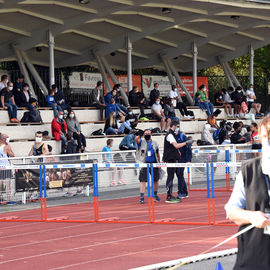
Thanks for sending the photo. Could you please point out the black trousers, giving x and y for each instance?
(101, 108)
(80, 139)
(170, 176)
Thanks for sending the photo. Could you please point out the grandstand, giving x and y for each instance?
(22, 135)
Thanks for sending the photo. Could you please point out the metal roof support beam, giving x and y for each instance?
(251, 65)
(113, 78)
(51, 55)
(103, 73)
(180, 82)
(35, 74)
(236, 82)
(129, 64)
(24, 71)
(195, 55)
(226, 72)
(169, 73)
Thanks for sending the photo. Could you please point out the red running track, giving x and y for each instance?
(114, 246)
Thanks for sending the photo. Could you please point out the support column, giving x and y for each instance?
(178, 79)
(251, 65)
(236, 82)
(103, 72)
(169, 73)
(195, 55)
(42, 86)
(24, 71)
(226, 72)
(51, 54)
(114, 79)
(129, 64)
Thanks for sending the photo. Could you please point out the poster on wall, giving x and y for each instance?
(83, 81)
(165, 85)
(28, 179)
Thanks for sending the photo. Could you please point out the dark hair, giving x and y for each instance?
(39, 132)
(238, 88)
(3, 77)
(68, 115)
(109, 141)
(139, 133)
(254, 124)
(116, 86)
(201, 86)
(230, 88)
(69, 137)
(25, 84)
(20, 76)
(174, 123)
(51, 91)
(134, 87)
(99, 83)
(236, 125)
(54, 86)
(50, 148)
(155, 84)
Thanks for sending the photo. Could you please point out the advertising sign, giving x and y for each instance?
(165, 85)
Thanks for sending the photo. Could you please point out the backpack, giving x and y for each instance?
(216, 134)
(25, 117)
(35, 117)
(97, 132)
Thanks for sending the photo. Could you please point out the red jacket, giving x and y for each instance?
(56, 128)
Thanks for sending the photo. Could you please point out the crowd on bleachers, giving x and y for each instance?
(120, 119)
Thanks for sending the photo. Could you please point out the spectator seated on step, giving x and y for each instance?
(97, 99)
(137, 99)
(204, 99)
(8, 102)
(52, 103)
(59, 97)
(159, 115)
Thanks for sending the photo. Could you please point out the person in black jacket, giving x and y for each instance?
(172, 155)
(59, 97)
(154, 94)
(137, 99)
(17, 88)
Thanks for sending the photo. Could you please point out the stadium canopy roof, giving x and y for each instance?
(156, 27)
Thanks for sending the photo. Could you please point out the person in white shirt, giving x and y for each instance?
(159, 115)
(251, 97)
(173, 94)
(4, 81)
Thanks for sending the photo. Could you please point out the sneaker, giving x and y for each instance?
(157, 199)
(182, 196)
(122, 182)
(13, 120)
(172, 199)
(114, 183)
(142, 200)
(186, 116)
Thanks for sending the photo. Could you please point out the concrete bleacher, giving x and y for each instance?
(22, 135)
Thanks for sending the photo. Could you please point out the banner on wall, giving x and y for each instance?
(165, 85)
(28, 180)
(84, 81)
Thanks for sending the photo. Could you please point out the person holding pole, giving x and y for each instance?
(249, 207)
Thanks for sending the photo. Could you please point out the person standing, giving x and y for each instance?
(186, 156)
(107, 158)
(172, 155)
(148, 152)
(8, 102)
(17, 88)
(249, 203)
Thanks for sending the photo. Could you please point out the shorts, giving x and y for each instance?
(156, 117)
(249, 105)
(256, 146)
(143, 175)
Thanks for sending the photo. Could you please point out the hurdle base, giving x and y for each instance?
(110, 219)
(9, 218)
(59, 218)
(166, 220)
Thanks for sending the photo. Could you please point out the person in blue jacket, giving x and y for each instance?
(186, 157)
(129, 142)
(52, 103)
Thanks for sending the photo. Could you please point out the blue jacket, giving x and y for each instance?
(186, 152)
(108, 97)
(50, 100)
(109, 109)
(129, 141)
